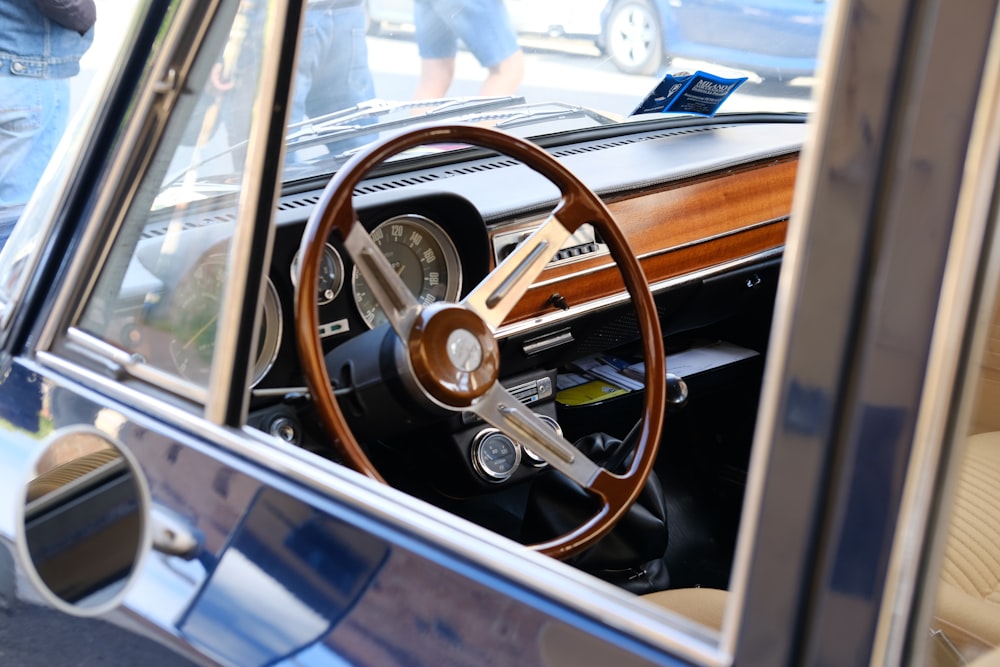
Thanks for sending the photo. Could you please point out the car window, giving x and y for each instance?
(160, 295)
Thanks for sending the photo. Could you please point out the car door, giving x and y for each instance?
(249, 550)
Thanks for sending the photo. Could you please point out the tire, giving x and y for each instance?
(633, 37)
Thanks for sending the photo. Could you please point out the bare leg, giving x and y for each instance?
(505, 78)
(435, 77)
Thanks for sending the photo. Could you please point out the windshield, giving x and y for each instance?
(368, 67)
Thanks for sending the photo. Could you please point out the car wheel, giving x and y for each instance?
(633, 37)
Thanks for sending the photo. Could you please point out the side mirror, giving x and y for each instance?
(83, 521)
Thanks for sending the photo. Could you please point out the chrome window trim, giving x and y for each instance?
(118, 361)
(221, 389)
(942, 425)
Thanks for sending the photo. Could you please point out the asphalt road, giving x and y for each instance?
(35, 636)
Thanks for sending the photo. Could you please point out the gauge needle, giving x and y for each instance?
(199, 332)
(399, 269)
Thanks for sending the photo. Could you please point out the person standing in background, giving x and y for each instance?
(41, 43)
(332, 71)
(486, 29)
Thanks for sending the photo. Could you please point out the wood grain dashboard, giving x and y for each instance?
(683, 227)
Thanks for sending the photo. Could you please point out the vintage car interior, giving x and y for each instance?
(560, 340)
(704, 208)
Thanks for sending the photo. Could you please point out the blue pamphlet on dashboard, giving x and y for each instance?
(700, 93)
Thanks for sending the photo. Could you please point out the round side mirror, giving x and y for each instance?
(83, 522)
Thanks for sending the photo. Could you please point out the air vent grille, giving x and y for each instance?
(626, 141)
(292, 204)
(488, 166)
(504, 162)
(394, 184)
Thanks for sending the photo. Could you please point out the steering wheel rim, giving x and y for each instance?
(481, 312)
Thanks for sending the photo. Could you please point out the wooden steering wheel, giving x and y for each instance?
(451, 348)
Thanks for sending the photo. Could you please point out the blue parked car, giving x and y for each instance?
(776, 39)
(490, 380)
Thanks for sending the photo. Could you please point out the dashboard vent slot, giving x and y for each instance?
(383, 186)
(291, 204)
(503, 162)
(615, 143)
(488, 166)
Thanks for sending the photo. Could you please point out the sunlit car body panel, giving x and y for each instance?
(786, 34)
(773, 39)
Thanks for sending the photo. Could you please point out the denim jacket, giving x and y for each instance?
(33, 45)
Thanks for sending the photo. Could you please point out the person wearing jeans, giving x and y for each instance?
(41, 43)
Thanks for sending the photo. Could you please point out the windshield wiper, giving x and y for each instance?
(520, 115)
(366, 118)
(544, 112)
(349, 123)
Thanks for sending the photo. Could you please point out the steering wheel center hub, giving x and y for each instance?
(464, 350)
(454, 355)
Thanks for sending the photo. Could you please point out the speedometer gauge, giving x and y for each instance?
(421, 253)
(192, 345)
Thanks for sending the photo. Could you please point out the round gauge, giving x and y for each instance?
(269, 336)
(494, 455)
(192, 346)
(533, 458)
(331, 275)
(421, 253)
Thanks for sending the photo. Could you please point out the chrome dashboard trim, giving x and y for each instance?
(133, 365)
(557, 316)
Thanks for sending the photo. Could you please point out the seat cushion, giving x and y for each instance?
(968, 606)
(702, 605)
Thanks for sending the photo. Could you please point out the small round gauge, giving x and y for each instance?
(269, 336)
(192, 347)
(533, 458)
(421, 254)
(494, 455)
(331, 275)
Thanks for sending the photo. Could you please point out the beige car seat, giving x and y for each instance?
(968, 605)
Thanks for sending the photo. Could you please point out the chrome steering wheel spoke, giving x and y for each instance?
(502, 410)
(401, 307)
(499, 292)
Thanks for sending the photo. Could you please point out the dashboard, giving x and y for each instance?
(705, 208)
